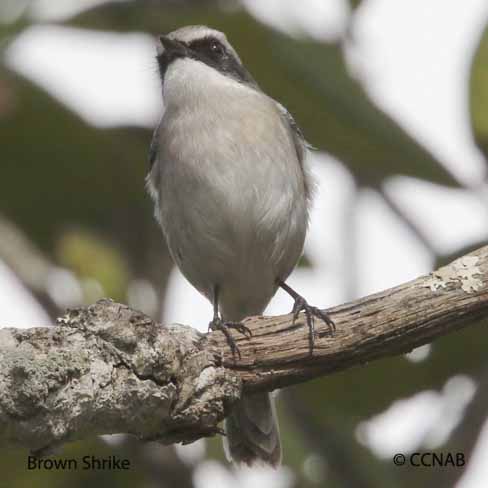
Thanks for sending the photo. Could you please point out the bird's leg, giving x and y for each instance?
(218, 324)
(301, 305)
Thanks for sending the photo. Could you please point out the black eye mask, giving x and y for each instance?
(208, 50)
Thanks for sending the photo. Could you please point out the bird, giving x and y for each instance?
(232, 192)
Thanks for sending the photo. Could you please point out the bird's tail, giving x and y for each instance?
(252, 434)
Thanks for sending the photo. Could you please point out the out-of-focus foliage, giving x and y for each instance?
(58, 172)
(90, 256)
(12, 19)
(478, 99)
(355, 3)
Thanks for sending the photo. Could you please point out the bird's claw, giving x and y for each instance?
(240, 327)
(218, 324)
(301, 305)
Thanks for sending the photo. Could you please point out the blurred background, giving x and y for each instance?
(394, 95)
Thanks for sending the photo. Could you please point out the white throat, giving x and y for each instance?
(189, 81)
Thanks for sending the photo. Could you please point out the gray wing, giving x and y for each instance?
(152, 178)
(154, 147)
(301, 146)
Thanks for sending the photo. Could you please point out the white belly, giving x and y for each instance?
(240, 238)
(232, 203)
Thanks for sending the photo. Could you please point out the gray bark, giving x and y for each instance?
(106, 369)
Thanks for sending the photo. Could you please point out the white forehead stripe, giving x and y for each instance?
(192, 32)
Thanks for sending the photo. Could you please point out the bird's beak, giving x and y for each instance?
(170, 48)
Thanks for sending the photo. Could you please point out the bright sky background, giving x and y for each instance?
(413, 56)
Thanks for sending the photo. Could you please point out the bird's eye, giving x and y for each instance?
(216, 48)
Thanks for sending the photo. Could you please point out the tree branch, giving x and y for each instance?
(107, 368)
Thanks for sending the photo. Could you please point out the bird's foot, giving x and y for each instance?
(311, 312)
(218, 324)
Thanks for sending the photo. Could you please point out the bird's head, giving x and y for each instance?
(195, 45)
